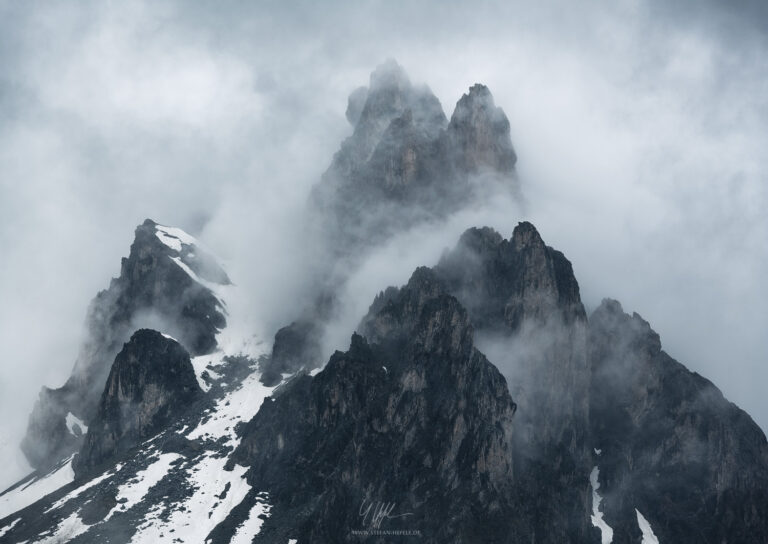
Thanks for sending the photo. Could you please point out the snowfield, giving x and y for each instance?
(34, 490)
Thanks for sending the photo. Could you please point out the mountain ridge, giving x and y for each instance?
(477, 402)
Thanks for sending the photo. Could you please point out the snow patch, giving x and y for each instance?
(9, 527)
(200, 365)
(73, 420)
(252, 526)
(24, 495)
(77, 492)
(217, 491)
(66, 531)
(178, 234)
(173, 237)
(238, 405)
(648, 536)
(130, 494)
(598, 451)
(173, 243)
(597, 515)
(209, 504)
(214, 287)
(169, 337)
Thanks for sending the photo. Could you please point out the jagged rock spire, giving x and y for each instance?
(411, 410)
(165, 282)
(150, 383)
(673, 447)
(404, 163)
(479, 133)
(511, 281)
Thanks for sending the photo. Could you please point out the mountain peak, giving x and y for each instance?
(510, 281)
(480, 239)
(389, 75)
(405, 413)
(479, 94)
(477, 101)
(151, 381)
(610, 318)
(666, 431)
(167, 282)
(525, 236)
(480, 131)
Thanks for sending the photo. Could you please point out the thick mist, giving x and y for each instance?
(640, 131)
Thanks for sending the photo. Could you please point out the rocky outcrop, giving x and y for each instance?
(523, 299)
(405, 163)
(694, 464)
(524, 302)
(296, 346)
(506, 283)
(413, 416)
(478, 135)
(150, 384)
(164, 283)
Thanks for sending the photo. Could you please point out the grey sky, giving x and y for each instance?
(640, 130)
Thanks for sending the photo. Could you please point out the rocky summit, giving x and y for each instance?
(434, 416)
(671, 446)
(404, 164)
(165, 282)
(151, 383)
(478, 402)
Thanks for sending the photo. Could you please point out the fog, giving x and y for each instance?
(640, 131)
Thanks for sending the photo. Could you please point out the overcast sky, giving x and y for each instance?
(640, 128)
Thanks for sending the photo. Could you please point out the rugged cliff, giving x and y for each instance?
(413, 415)
(523, 299)
(150, 384)
(404, 164)
(671, 447)
(165, 283)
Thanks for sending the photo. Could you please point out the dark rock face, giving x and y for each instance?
(523, 299)
(504, 283)
(524, 302)
(150, 384)
(479, 135)
(672, 447)
(415, 416)
(296, 346)
(160, 286)
(405, 163)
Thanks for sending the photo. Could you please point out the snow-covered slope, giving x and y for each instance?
(173, 487)
(35, 487)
